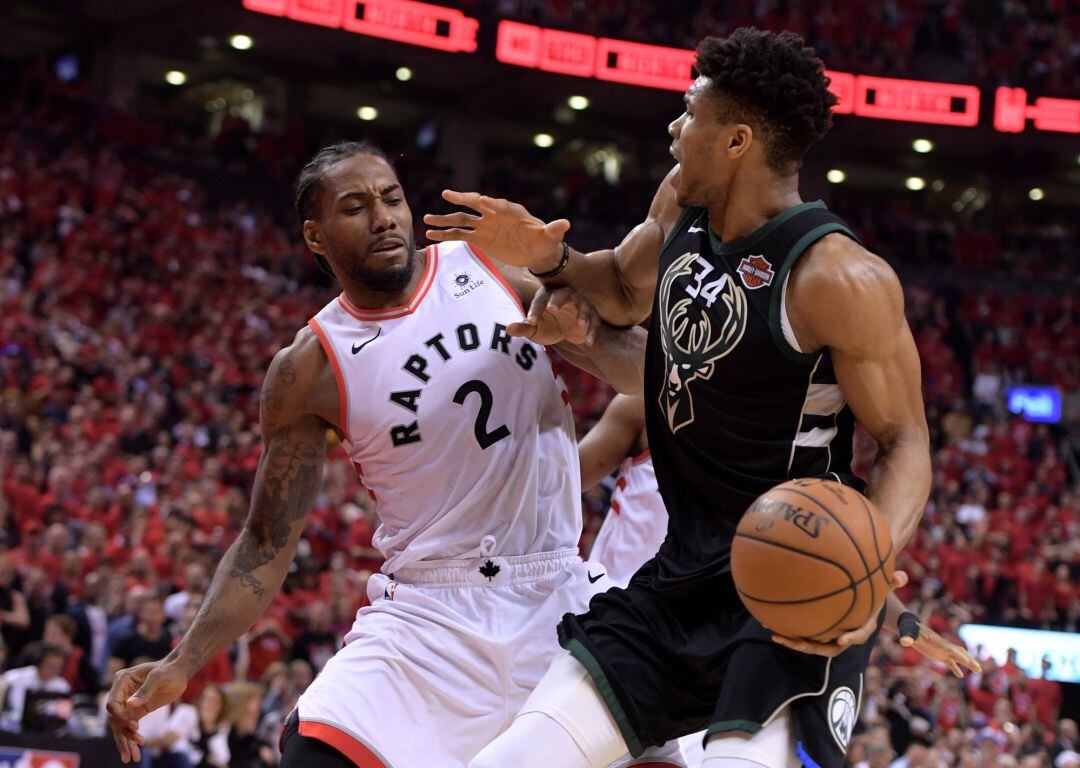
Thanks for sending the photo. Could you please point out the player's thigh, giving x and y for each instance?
(564, 722)
(773, 746)
(410, 667)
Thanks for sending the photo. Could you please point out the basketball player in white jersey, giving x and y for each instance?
(464, 437)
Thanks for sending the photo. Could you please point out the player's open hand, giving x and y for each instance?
(135, 693)
(504, 229)
(558, 315)
(936, 648)
(844, 641)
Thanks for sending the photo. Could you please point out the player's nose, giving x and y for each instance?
(381, 218)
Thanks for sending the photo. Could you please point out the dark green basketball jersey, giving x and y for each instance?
(732, 407)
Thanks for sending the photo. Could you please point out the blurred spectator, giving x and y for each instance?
(316, 644)
(149, 638)
(44, 674)
(246, 748)
(210, 745)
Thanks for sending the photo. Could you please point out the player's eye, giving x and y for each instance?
(393, 201)
(354, 210)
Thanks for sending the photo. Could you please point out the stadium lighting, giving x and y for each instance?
(241, 42)
(578, 102)
(544, 140)
(915, 183)
(175, 77)
(366, 113)
(1036, 194)
(922, 146)
(403, 74)
(836, 176)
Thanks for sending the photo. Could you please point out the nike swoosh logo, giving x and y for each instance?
(596, 578)
(357, 347)
(695, 229)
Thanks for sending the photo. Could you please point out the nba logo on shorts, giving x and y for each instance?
(842, 712)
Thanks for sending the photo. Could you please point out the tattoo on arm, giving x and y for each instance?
(284, 491)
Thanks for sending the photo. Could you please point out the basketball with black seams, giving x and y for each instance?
(812, 559)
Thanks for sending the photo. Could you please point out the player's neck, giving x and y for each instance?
(752, 199)
(363, 297)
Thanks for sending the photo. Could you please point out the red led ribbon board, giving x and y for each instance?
(406, 21)
(1011, 112)
(638, 64)
(916, 101)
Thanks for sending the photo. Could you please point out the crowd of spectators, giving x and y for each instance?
(988, 42)
(139, 309)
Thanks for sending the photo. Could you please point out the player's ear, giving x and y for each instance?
(313, 236)
(740, 140)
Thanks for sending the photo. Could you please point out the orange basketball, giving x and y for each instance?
(812, 559)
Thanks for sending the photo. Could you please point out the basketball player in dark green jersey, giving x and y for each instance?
(773, 331)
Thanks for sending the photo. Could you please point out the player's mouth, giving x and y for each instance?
(388, 247)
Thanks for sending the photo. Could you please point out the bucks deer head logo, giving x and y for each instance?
(690, 342)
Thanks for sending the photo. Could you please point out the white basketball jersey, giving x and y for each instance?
(636, 523)
(458, 430)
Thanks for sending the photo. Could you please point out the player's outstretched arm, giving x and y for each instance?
(254, 567)
(611, 440)
(619, 282)
(564, 318)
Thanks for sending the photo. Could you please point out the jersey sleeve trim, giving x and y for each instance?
(390, 313)
(487, 264)
(343, 391)
(776, 326)
(688, 215)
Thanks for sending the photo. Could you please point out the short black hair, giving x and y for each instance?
(775, 80)
(309, 181)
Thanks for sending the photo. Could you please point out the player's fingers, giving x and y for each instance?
(557, 229)
(957, 672)
(807, 646)
(967, 660)
(469, 199)
(122, 747)
(907, 641)
(525, 329)
(899, 579)
(456, 233)
(858, 636)
(456, 219)
(473, 200)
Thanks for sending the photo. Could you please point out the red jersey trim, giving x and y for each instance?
(343, 742)
(490, 267)
(407, 308)
(642, 456)
(343, 392)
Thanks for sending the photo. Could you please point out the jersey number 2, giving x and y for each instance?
(483, 436)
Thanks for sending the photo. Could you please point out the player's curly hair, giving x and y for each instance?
(776, 83)
(309, 181)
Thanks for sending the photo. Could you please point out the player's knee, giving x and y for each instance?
(533, 740)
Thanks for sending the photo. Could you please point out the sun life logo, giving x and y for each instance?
(842, 712)
(463, 284)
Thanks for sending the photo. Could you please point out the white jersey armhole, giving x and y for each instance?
(785, 323)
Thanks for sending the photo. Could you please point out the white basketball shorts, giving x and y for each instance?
(444, 657)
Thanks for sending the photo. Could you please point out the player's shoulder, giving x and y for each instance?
(839, 268)
(299, 381)
(839, 289)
